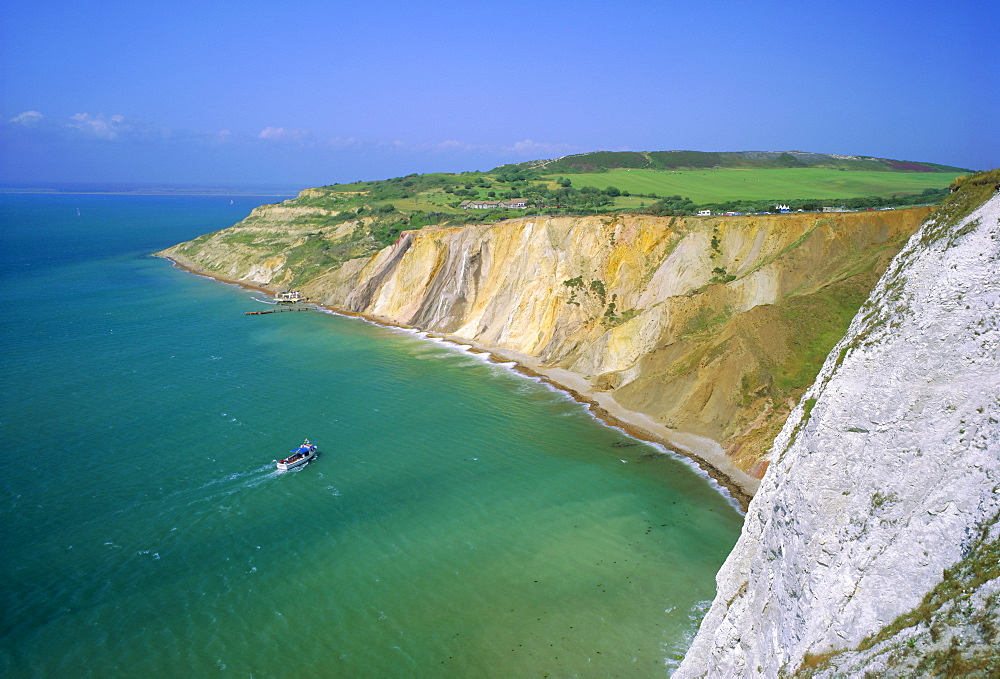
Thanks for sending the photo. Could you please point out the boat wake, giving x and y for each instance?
(231, 483)
(205, 498)
(293, 470)
(257, 480)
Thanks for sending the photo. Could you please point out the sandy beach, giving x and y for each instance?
(708, 454)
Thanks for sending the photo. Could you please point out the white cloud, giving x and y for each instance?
(125, 130)
(343, 142)
(525, 148)
(449, 145)
(96, 126)
(116, 127)
(529, 147)
(283, 134)
(216, 137)
(27, 118)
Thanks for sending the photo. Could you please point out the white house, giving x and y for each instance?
(514, 203)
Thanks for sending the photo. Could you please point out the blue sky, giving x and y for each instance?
(304, 93)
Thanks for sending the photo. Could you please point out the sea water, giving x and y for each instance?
(461, 520)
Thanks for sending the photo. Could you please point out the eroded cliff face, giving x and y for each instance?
(873, 544)
(710, 326)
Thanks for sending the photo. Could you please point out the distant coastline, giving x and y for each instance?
(706, 453)
(99, 189)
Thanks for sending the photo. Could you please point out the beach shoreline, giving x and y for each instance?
(706, 453)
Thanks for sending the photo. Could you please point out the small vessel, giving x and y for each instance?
(299, 456)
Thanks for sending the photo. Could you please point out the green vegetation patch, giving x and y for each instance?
(817, 322)
(945, 607)
(578, 286)
(754, 182)
(310, 258)
(705, 323)
(807, 408)
(768, 184)
(980, 566)
(968, 194)
(241, 237)
(613, 318)
(600, 160)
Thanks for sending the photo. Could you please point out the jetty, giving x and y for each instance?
(287, 297)
(278, 311)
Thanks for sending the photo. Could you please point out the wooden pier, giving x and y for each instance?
(277, 311)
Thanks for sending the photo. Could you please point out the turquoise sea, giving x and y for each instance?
(461, 521)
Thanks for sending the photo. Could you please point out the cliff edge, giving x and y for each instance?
(873, 543)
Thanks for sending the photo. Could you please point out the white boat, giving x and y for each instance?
(299, 456)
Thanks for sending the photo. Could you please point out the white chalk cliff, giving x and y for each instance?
(873, 543)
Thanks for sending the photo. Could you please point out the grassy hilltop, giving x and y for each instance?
(764, 184)
(745, 180)
(601, 161)
(661, 182)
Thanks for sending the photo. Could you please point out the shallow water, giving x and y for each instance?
(462, 520)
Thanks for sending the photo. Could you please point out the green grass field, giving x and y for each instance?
(709, 186)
